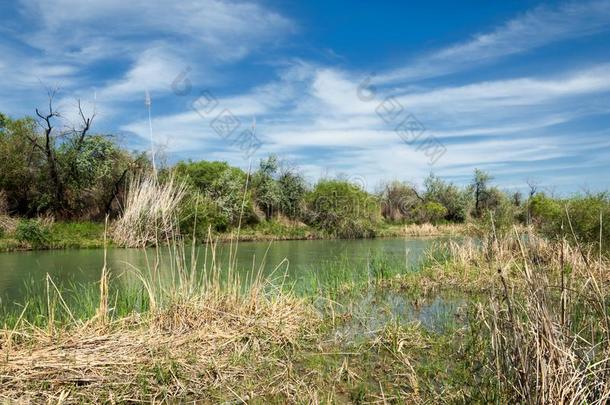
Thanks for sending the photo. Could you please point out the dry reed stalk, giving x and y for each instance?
(149, 212)
(8, 224)
(550, 330)
(433, 230)
(202, 346)
(197, 342)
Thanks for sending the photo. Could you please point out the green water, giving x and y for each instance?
(296, 259)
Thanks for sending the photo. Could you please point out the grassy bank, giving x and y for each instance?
(55, 235)
(506, 319)
(86, 235)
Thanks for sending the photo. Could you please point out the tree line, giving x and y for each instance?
(71, 173)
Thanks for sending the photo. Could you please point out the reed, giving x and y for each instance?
(550, 337)
(202, 331)
(149, 212)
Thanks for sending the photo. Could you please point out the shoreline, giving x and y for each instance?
(78, 240)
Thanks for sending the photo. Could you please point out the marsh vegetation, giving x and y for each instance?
(508, 317)
(510, 306)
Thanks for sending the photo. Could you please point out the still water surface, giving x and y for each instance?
(84, 266)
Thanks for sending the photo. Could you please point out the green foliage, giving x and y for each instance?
(203, 174)
(85, 177)
(482, 194)
(21, 168)
(33, 232)
(90, 170)
(292, 193)
(267, 192)
(398, 200)
(431, 212)
(198, 213)
(81, 234)
(558, 217)
(458, 202)
(503, 213)
(343, 210)
(217, 197)
(545, 210)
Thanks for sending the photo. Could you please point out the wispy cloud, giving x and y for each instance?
(536, 28)
(85, 31)
(308, 109)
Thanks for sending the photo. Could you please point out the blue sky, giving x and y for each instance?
(520, 89)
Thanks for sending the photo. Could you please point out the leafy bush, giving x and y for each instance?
(398, 200)
(203, 174)
(267, 192)
(504, 214)
(217, 194)
(292, 191)
(431, 212)
(458, 202)
(554, 217)
(33, 232)
(198, 213)
(342, 209)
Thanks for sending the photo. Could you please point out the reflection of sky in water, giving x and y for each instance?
(84, 266)
(369, 315)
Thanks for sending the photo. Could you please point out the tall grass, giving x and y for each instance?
(189, 327)
(547, 320)
(149, 212)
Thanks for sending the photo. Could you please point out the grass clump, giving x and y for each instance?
(195, 332)
(149, 213)
(33, 232)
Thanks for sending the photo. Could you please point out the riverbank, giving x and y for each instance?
(89, 235)
(461, 326)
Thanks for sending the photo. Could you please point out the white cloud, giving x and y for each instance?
(89, 30)
(154, 70)
(533, 29)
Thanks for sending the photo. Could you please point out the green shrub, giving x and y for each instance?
(398, 201)
(342, 210)
(33, 232)
(458, 202)
(433, 212)
(293, 188)
(551, 217)
(198, 213)
(217, 194)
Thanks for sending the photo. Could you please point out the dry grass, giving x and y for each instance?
(8, 225)
(433, 230)
(201, 339)
(149, 212)
(187, 351)
(547, 320)
(550, 329)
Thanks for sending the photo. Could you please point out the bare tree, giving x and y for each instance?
(533, 189)
(533, 186)
(47, 145)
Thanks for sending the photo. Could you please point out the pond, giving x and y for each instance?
(294, 257)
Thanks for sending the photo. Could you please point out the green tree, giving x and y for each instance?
(21, 168)
(458, 202)
(218, 195)
(267, 192)
(292, 193)
(342, 209)
(398, 200)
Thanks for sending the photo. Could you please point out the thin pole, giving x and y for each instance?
(148, 102)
